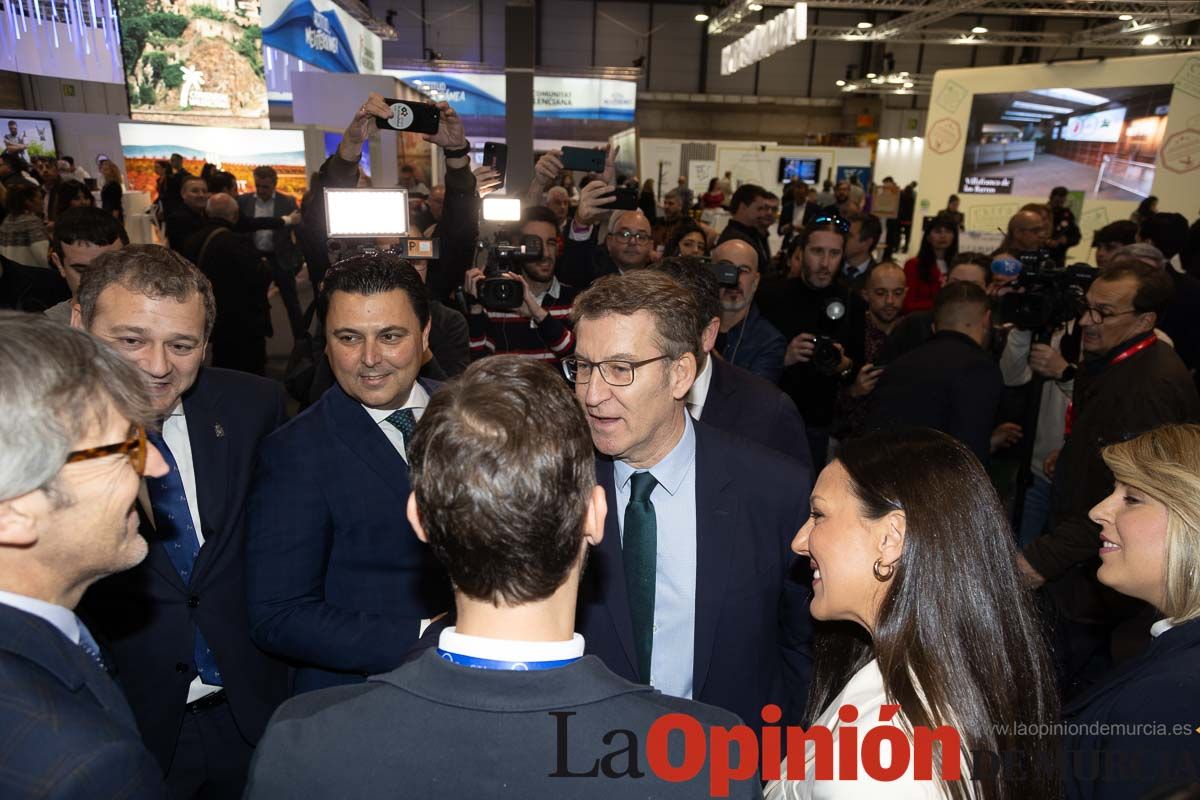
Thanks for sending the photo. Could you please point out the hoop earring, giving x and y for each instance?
(883, 573)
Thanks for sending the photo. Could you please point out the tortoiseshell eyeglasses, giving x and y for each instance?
(135, 447)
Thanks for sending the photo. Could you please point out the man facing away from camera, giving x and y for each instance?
(505, 494)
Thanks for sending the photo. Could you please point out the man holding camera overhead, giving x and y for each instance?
(532, 317)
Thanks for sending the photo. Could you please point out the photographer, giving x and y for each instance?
(539, 327)
(810, 312)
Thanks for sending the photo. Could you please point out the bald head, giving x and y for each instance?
(738, 252)
(887, 272)
(558, 201)
(1027, 230)
(884, 292)
(222, 206)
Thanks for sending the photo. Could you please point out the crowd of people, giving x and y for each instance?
(605, 540)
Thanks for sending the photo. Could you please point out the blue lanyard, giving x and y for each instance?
(488, 663)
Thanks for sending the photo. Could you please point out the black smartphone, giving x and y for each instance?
(411, 117)
(583, 159)
(495, 155)
(624, 199)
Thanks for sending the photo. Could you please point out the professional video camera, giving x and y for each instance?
(496, 292)
(1045, 295)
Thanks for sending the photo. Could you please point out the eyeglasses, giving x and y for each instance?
(835, 221)
(614, 373)
(134, 447)
(1100, 315)
(625, 236)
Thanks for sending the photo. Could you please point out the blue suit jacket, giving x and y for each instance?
(65, 729)
(753, 630)
(147, 617)
(1162, 685)
(336, 580)
(754, 408)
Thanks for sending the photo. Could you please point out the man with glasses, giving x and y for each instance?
(1128, 383)
(746, 339)
(72, 430)
(201, 691)
(696, 543)
(540, 327)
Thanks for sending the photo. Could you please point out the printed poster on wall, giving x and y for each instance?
(483, 94)
(196, 63)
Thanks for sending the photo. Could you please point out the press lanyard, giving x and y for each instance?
(1117, 359)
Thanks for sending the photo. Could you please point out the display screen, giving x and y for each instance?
(29, 137)
(805, 169)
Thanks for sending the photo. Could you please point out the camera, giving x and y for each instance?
(497, 293)
(1045, 295)
(726, 272)
(826, 357)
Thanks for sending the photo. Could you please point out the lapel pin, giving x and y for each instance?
(218, 430)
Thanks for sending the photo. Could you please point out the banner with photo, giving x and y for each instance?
(483, 94)
(234, 150)
(196, 63)
(320, 33)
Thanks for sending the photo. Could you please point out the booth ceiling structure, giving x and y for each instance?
(917, 22)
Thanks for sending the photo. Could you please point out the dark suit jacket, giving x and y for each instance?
(67, 732)
(753, 629)
(1162, 686)
(581, 263)
(751, 236)
(435, 729)
(285, 247)
(950, 384)
(148, 618)
(239, 280)
(182, 224)
(740, 402)
(336, 580)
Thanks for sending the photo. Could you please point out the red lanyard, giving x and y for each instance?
(1117, 359)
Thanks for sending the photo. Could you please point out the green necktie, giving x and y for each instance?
(640, 550)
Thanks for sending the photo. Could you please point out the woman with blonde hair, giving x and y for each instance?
(111, 192)
(1136, 732)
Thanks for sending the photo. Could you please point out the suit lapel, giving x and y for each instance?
(716, 530)
(612, 569)
(721, 392)
(210, 465)
(354, 426)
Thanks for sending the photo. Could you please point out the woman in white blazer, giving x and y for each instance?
(914, 566)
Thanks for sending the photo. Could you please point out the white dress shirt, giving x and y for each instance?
(513, 650)
(175, 434)
(63, 619)
(866, 693)
(418, 399)
(264, 240)
(699, 391)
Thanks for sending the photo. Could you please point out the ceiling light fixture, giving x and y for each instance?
(701, 18)
(979, 29)
(870, 74)
(839, 82)
(862, 26)
(1151, 39)
(1040, 107)
(755, 6)
(1125, 17)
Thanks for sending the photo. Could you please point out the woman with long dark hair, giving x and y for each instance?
(689, 239)
(926, 273)
(1149, 549)
(909, 544)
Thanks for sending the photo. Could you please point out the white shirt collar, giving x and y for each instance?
(1161, 627)
(462, 644)
(862, 266)
(62, 618)
(699, 391)
(553, 289)
(417, 398)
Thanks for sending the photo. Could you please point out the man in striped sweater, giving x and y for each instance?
(540, 328)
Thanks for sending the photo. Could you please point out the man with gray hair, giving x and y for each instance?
(201, 691)
(73, 420)
(240, 279)
(559, 201)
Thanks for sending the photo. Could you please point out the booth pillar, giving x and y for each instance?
(518, 81)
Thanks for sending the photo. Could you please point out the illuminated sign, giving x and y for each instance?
(781, 32)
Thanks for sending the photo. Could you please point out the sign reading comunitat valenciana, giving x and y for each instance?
(782, 31)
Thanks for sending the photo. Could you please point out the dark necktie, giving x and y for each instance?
(404, 421)
(173, 521)
(639, 548)
(88, 643)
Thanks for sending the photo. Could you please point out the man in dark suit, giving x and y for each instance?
(337, 583)
(72, 420)
(726, 396)
(201, 691)
(277, 245)
(188, 216)
(171, 199)
(514, 547)
(752, 212)
(690, 589)
(950, 383)
(240, 280)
